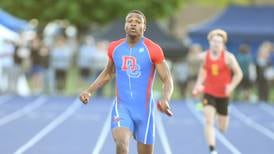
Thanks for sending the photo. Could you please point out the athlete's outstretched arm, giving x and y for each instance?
(106, 75)
(165, 76)
(237, 74)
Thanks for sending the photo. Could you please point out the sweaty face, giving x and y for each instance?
(134, 25)
(216, 43)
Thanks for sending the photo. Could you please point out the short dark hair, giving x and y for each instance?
(140, 13)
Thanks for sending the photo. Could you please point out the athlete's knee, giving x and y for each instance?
(223, 123)
(222, 129)
(122, 146)
(209, 121)
(121, 137)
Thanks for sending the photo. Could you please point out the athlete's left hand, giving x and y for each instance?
(164, 107)
(228, 90)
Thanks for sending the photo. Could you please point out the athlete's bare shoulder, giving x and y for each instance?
(229, 58)
(202, 56)
(228, 53)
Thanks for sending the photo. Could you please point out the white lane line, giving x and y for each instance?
(251, 123)
(267, 109)
(21, 112)
(51, 126)
(162, 134)
(5, 99)
(219, 135)
(103, 135)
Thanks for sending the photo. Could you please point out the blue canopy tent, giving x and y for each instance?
(251, 25)
(11, 22)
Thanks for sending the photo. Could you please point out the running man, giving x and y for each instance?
(219, 75)
(133, 60)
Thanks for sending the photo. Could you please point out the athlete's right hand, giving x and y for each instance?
(84, 97)
(197, 90)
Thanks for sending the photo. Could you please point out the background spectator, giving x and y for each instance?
(245, 60)
(263, 63)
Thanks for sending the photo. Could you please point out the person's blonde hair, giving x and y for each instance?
(218, 32)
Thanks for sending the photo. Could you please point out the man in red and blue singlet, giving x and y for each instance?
(134, 61)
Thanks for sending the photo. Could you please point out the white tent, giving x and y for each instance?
(8, 34)
(22, 84)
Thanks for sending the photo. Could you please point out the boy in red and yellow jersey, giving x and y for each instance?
(218, 77)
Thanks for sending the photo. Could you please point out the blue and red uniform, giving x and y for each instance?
(134, 105)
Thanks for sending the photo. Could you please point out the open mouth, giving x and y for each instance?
(132, 30)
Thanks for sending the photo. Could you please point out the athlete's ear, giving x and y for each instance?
(145, 27)
(125, 27)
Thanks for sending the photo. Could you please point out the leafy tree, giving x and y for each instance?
(85, 12)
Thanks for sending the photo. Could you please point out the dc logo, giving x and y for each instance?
(131, 67)
(141, 50)
(116, 119)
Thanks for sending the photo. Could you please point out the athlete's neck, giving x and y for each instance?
(215, 54)
(132, 40)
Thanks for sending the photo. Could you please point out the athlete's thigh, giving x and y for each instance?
(222, 106)
(120, 118)
(144, 148)
(209, 113)
(145, 129)
(222, 111)
(209, 107)
(223, 120)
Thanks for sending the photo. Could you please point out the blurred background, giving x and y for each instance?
(59, 47)
(51, 50)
